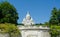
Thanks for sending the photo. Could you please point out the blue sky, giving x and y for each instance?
(40, 10)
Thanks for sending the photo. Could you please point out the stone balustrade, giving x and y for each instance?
(33, 27)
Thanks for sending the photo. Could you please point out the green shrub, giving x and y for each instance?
(9, 28)
(55, 30)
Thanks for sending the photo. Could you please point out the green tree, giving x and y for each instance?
(55, 23)
(53, 18)
(8, 13)
(58, 16)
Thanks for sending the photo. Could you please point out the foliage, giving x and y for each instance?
(58, 16)
(8, 13)
(46, 24)
(55, 30)
(9, 28)
(41, 25)
(20, 24)
(55, 17)
(54, 22)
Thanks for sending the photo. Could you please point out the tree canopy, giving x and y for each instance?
(8, 13)
(55, 17)
(55, 23)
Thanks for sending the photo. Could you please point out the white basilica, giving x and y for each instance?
(28, 20)
(30, 30)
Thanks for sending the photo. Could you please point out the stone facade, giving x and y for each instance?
(34, 31)
(4, 35)
(30, 30)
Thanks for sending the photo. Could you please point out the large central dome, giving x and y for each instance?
(28, 20)
(28, 17)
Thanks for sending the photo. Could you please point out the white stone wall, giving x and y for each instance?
(4, 35)
(34, 33)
